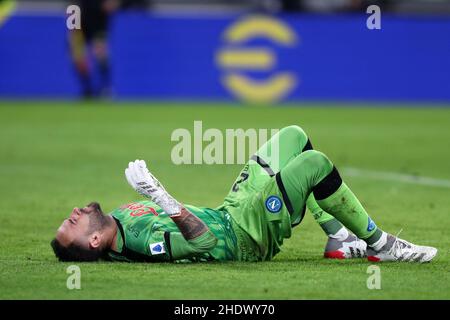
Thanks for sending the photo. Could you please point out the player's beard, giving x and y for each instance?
(97, 220)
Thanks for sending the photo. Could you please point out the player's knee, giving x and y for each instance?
(317, 159)
(297, 133)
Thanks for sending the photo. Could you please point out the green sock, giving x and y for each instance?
(329, 224)
(345, 207)
(312, 171)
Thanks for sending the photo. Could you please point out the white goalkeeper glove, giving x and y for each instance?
(141, 180)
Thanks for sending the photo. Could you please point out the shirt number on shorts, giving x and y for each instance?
(244, 176)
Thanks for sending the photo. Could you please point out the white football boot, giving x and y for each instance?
(351, 247)
(397, 249)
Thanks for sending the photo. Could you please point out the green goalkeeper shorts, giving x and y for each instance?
(258, 201)
(261, 219)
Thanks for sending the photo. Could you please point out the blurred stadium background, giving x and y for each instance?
(266, 51)
(76, 106)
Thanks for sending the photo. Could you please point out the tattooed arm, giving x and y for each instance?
(194, 237)
(190, 225)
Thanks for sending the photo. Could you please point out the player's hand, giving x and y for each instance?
(141, 180)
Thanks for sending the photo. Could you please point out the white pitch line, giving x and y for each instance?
(396, 177)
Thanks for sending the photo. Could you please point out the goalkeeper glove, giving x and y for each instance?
(141, 180)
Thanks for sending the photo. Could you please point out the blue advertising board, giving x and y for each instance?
(255, 58)
(35, 59)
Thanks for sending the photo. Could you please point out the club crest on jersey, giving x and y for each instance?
(371, 225)
(157, 248)
(274, 204)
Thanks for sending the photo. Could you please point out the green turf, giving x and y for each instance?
(55, 156)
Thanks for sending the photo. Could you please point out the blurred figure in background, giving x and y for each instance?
(93, 36)
(340, 5)
(6, 8)
(321, 6)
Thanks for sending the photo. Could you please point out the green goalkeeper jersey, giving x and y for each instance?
(144, 234)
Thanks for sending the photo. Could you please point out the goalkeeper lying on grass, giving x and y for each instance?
(267, 200)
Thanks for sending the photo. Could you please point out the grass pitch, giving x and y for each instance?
(55, 156)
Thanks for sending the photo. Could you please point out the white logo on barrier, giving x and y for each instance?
(374, 20)
(237, 56)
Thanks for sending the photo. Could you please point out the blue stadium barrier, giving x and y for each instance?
(245, 57)
(34, 58)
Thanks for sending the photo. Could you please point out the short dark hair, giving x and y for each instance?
(74, 252)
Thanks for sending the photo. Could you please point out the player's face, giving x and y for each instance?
(75, 229)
